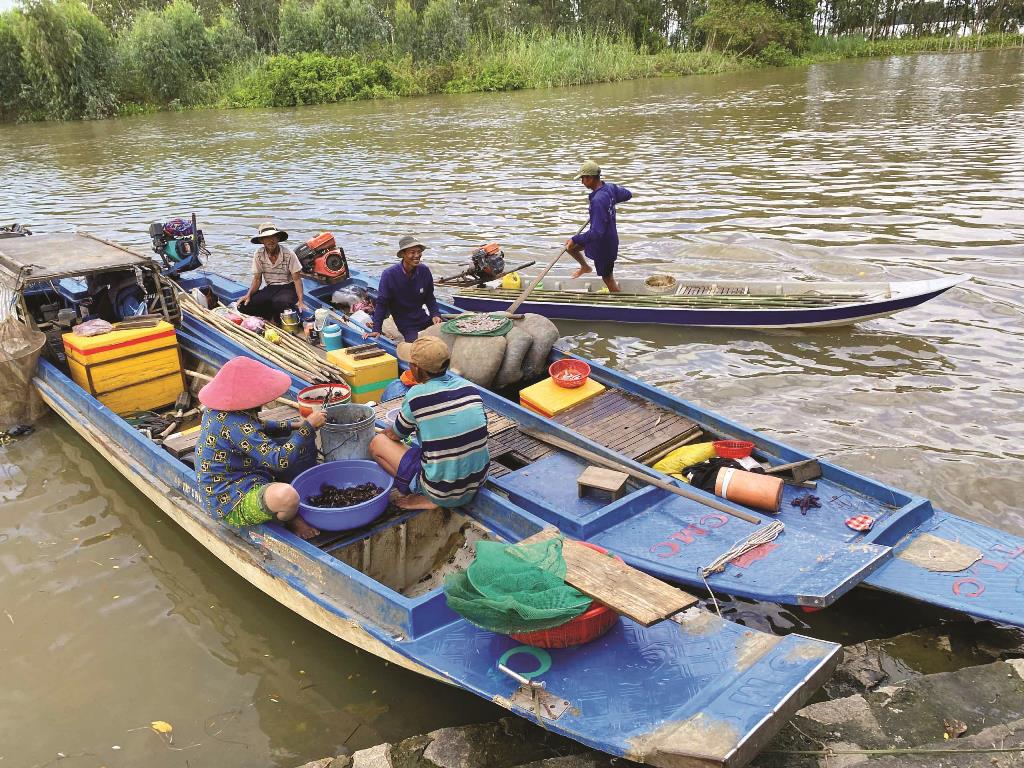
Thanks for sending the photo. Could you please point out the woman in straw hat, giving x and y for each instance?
(280, 268)
(237, 463)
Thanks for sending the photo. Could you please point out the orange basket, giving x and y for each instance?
(589, 625)
(569, 373)
(733, 449)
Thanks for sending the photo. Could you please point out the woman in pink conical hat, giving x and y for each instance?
(237, 463)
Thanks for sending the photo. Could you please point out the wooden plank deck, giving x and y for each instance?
(627, 423)
(624, 589)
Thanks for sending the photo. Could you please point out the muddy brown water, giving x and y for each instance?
(111, 618)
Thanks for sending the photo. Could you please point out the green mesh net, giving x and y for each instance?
(515, 588)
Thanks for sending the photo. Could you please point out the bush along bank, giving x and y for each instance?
(61, 59)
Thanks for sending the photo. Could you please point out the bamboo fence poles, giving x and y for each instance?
(292, 354)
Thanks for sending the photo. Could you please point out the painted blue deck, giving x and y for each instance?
(832, 557)
(653, 694)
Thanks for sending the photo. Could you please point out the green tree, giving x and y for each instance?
(13, 80)
(227, 41)
(165, 54)
(747, 27)
(67, 55)
(300, 32)
(348, 26)
(260, 19)
(407, 28)
(444, 30)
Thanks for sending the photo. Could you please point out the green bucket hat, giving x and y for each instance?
(409, 241)
(589, 168)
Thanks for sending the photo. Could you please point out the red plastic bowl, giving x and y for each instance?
(733, 449)
(569, 373)
(589, 625)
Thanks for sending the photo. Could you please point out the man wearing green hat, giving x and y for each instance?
(404, 289)
(600, 242)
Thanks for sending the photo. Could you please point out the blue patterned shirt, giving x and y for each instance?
(234, 455)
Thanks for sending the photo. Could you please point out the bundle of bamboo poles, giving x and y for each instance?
(293, 354)
(725, 301)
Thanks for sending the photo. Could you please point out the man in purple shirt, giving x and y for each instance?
(601, 241)
(404, 289)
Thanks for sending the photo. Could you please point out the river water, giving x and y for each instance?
(902, 168)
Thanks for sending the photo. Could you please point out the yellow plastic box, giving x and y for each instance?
(131, 370)
(368, 377)
(548, 399)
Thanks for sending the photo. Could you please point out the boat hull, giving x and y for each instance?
(692, 691)
(751, 319)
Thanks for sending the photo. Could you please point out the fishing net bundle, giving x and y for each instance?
(20, 347)
(510, 589)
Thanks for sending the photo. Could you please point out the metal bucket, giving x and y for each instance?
(348, 432)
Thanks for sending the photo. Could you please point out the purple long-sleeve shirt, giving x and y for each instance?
(402, 297)
(601, 241)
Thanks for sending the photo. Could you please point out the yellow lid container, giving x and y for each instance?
(548, 399)
(136, 369)
(368, 376)
(512, 281)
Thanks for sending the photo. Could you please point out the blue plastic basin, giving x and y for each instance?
(342, 474)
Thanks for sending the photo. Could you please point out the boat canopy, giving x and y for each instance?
(43, 258)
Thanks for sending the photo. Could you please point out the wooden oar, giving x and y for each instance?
(596, 458)
(529, 289)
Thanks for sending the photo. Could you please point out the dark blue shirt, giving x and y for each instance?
(601, 240)
(402, 297)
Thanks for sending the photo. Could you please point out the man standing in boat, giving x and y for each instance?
(280, 268)
(404, 290)
(600, 242)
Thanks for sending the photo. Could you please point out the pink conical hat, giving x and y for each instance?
(244, 383)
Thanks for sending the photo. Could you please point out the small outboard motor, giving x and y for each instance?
(322, 258)
(179, 244)
(488, 262)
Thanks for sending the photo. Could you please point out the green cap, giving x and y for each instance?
(589, 168)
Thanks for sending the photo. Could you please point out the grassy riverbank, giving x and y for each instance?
(60, 60)
(535, 61)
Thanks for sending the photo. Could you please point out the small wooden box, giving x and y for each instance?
(601, 479)
(137, 369)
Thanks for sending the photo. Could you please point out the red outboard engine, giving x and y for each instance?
(323, 259)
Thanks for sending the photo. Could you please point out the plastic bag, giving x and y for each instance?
(20, 347)
(96, 327)
(254, 324)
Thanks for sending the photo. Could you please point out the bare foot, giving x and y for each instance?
(301, 528)
(414, 501)
(584, 268)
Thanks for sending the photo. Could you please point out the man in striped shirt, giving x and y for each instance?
(449, 463)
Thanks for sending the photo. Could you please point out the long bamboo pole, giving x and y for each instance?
(529, 289)
(686, 493)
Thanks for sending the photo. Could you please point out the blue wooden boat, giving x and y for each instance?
(913, 550)
(693, 690)
(745, 304)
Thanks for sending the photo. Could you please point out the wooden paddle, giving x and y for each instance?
(650, 479)
(529, 289)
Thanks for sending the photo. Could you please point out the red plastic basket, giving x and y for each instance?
(589, 625)
(733, 449)
(569, 373)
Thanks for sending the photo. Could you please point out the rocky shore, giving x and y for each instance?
(903, 701)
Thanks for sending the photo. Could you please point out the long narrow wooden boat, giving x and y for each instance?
(705, 303)
(913, 550)
(693, 690)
